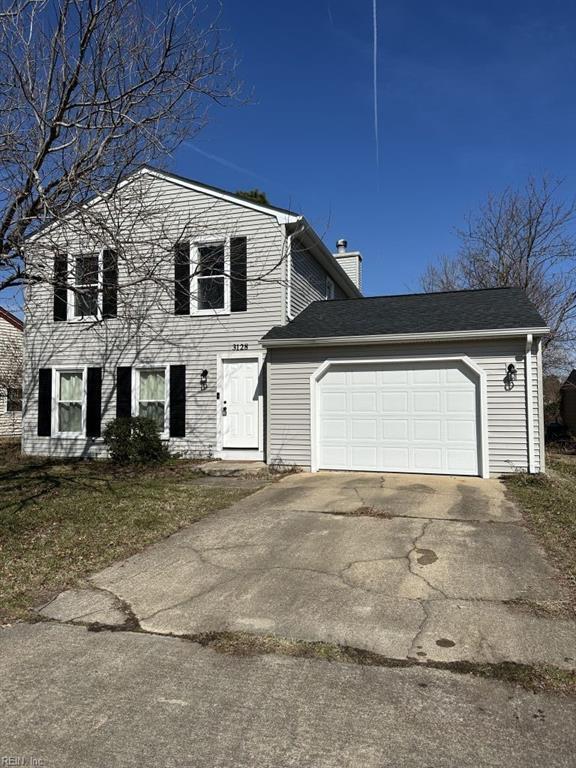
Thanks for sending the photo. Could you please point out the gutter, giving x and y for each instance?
(405, 338)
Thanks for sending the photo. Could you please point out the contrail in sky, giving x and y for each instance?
(223, 161)
(375, 78)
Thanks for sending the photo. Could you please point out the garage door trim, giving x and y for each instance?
(464, 359)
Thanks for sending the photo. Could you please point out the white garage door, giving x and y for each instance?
(401, 417)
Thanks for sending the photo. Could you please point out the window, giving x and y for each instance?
(70, 402)
(14, 399)
(86, 286)
(211, 284)
(151, 394)
(330, 289)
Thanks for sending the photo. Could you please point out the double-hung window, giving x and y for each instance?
(70, 402)
(211, 284)
(151, 396)
(14, 399)
(86, 286)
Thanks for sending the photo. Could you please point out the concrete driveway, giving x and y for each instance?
(411, 567)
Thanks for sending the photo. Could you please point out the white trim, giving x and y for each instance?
(71, 281)
(392, 338)
(288, 308)
(541, 427)
(483, 455)
(135, 392)
(211, 240)
(281, 218)
(529, 404)
(56, 371)
(239, 453)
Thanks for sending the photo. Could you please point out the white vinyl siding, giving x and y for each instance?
(10, 376)
(307, 279)
(288, 382)
(156, 333)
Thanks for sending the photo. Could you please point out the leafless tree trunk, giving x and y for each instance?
(89, 90)
(521, 238)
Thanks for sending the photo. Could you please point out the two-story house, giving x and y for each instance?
(232, 325)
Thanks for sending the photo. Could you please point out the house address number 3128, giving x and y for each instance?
(239, 347)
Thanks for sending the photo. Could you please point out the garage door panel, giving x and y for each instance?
(333, 429)
(394, 402)
(426, 376)
(334, 402)
(363, 429)
(399, 418)
(427, 402)
(427, 430)
(364, 457)
(427, 459)
(365, 377)
(394, 429)
(363, 402)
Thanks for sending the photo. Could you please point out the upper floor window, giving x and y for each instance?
(330, 288)
(86, 286)
(210, 269)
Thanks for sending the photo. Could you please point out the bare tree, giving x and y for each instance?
(89, 90)
(521, 238)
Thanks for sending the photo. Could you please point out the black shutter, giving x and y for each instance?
(123, 393)
(238, 274)
(109, 283)
(60, 286)
(182, 279)
(45, 402)
(93, 402)
(177, 401)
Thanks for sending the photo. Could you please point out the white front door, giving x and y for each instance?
(399, 417)
(240, 407)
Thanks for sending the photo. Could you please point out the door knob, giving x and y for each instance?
(224, 410)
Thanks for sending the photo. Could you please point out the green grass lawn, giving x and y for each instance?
(548, 503)
(60, 521)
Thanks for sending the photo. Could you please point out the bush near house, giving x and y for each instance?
(135, 440)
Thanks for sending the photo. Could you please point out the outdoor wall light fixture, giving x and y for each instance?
(511, 376)
(204, 379)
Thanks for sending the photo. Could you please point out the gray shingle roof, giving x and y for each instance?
(481, 310)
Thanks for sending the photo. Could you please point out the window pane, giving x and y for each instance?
(86, 270)
(14, 402)
(71, 385)
(152, 385)
(154, 411)
(70, 417)
(211, 259)
(211, 293)
(86, 303)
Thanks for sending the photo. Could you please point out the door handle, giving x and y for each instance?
(224, 410)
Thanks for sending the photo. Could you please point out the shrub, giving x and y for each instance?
(135, 440)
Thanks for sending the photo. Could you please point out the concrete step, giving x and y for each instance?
(235, 469)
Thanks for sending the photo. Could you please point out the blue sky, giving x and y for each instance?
(472, 97)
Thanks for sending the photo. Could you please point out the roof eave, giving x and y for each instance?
(405, 338)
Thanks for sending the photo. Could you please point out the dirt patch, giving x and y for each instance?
(537, 679)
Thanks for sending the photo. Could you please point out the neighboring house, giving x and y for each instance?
(257, 344)
(568, 403)
(10, 374)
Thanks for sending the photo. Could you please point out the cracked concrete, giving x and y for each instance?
(425, 582)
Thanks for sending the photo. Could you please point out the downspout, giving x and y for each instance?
(288, 267)
(529, 403)
(541, 427)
